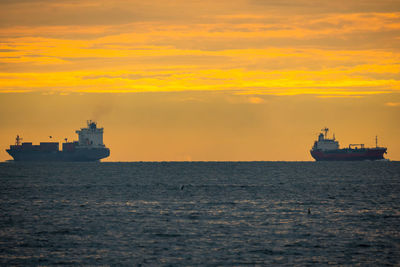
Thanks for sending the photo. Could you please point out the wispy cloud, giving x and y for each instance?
(255, 100)
(393, 104)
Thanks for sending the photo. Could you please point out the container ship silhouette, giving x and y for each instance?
(90, 147)
(326, 149)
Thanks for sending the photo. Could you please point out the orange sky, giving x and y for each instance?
(201, 80)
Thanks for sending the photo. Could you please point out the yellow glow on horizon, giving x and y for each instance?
(330, 81)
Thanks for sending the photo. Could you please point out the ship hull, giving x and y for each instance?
(81, 154)
(347, 154)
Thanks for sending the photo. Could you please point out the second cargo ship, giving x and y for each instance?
(90, 147)
(326, 149)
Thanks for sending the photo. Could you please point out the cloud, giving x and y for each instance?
(255, 100)
(327, 49)
(326, 7)
(392, 104)
(129, 76)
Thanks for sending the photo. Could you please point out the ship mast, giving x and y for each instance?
(376, 141)
(18, 140)
(326, 132)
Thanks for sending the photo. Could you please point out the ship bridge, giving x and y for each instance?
(324, 143)
(90, 136)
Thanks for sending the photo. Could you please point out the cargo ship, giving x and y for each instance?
(89, 147)
(326, 149)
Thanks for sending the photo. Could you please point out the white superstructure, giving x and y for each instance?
(324, 143)
(90, 136)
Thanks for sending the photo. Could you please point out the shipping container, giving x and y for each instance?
(49, 146)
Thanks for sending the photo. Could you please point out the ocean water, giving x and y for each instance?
(200, 213)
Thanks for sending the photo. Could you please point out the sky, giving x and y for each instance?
(201, 80)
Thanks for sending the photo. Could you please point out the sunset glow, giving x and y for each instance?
(341, 59)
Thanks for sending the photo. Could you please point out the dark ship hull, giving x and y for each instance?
(347, 154)
(79, 154)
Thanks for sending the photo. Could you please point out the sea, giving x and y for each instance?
(200, 214)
